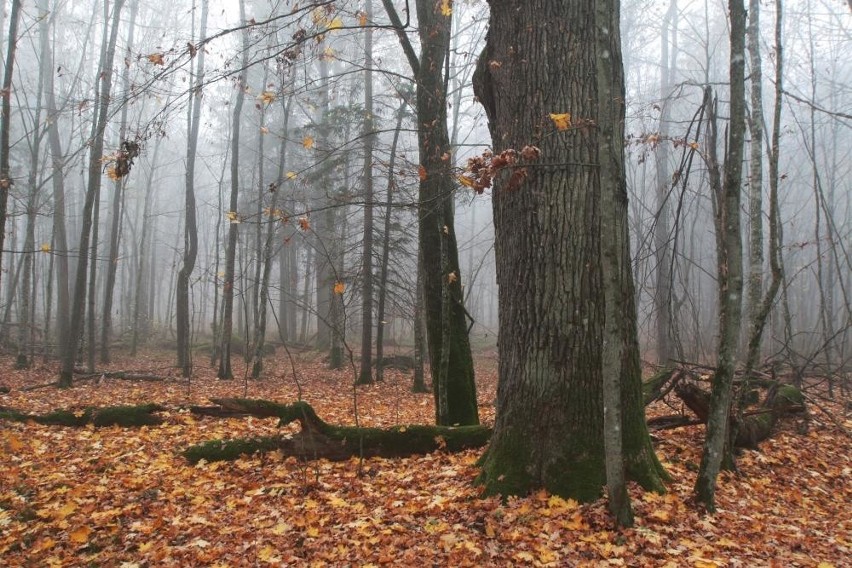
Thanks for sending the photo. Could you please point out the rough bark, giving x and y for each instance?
(540, 58)
(319, 440)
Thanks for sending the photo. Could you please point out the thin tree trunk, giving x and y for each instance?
(92, 190)
(190, 234)
(225, 371)
(365, 376)
(6, 118)
(141, 309)
(383, 270)
(117, 201)
(730, 270)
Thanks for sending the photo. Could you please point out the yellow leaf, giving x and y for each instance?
(446, 7)
(291, 175)
(312, 532)
(308, 142)
(335, 24)
(15, 444)
(80, 535)
(66, 510)
(465, 181)
(562, 121)
(45, 247)
(156, 58)
(694, 145)
(267, 97)
(267, 554)
(328, 54)
(232, 216)
(339, 287)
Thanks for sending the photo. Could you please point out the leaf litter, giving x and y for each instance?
(125, 497)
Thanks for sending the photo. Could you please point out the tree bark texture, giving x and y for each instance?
(437, 235)
(539, 60)
(5, 119)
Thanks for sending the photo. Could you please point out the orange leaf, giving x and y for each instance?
(308, 142)
(156, 58)
(80, 535)
(339, 287)
(562, 120)
(421, 171)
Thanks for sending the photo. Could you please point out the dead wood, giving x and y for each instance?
(318, 439)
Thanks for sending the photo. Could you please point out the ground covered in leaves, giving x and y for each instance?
(126, 497)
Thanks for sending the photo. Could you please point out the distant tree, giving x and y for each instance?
(225, 371)
(105, 75)
(190, 228)
(550, 79)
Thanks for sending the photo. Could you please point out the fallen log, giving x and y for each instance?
(755, 426)
(128, 416)
(318, 439)
(658, 385)
(4, 389)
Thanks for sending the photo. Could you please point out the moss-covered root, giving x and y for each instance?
(321, 440)
(128, 416)
(657, 385)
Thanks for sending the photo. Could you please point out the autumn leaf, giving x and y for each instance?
(156, 58)
(562, 120)
(421, 171)
(335, 24)
(452, 277)
(45, 247)
(232, 217)
(466, 181)
(80, 535)
(14, 443)
(264, 130)
(339, 287)
(362, 18)
(446, 8)
(266, 97)
(304, 223)
(308, 142)
(291, 175)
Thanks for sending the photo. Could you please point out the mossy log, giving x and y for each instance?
(318, 439)
(129, 416)
(4, 389)
(659, 384)
(755, 426)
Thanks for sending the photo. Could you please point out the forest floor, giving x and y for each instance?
(126, 496)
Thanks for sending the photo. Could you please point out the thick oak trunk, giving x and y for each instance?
(540, 60)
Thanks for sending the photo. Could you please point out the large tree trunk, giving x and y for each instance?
(554, 285)
(190, 230)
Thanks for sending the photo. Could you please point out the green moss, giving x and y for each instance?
(229, 450)
(128, 416)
